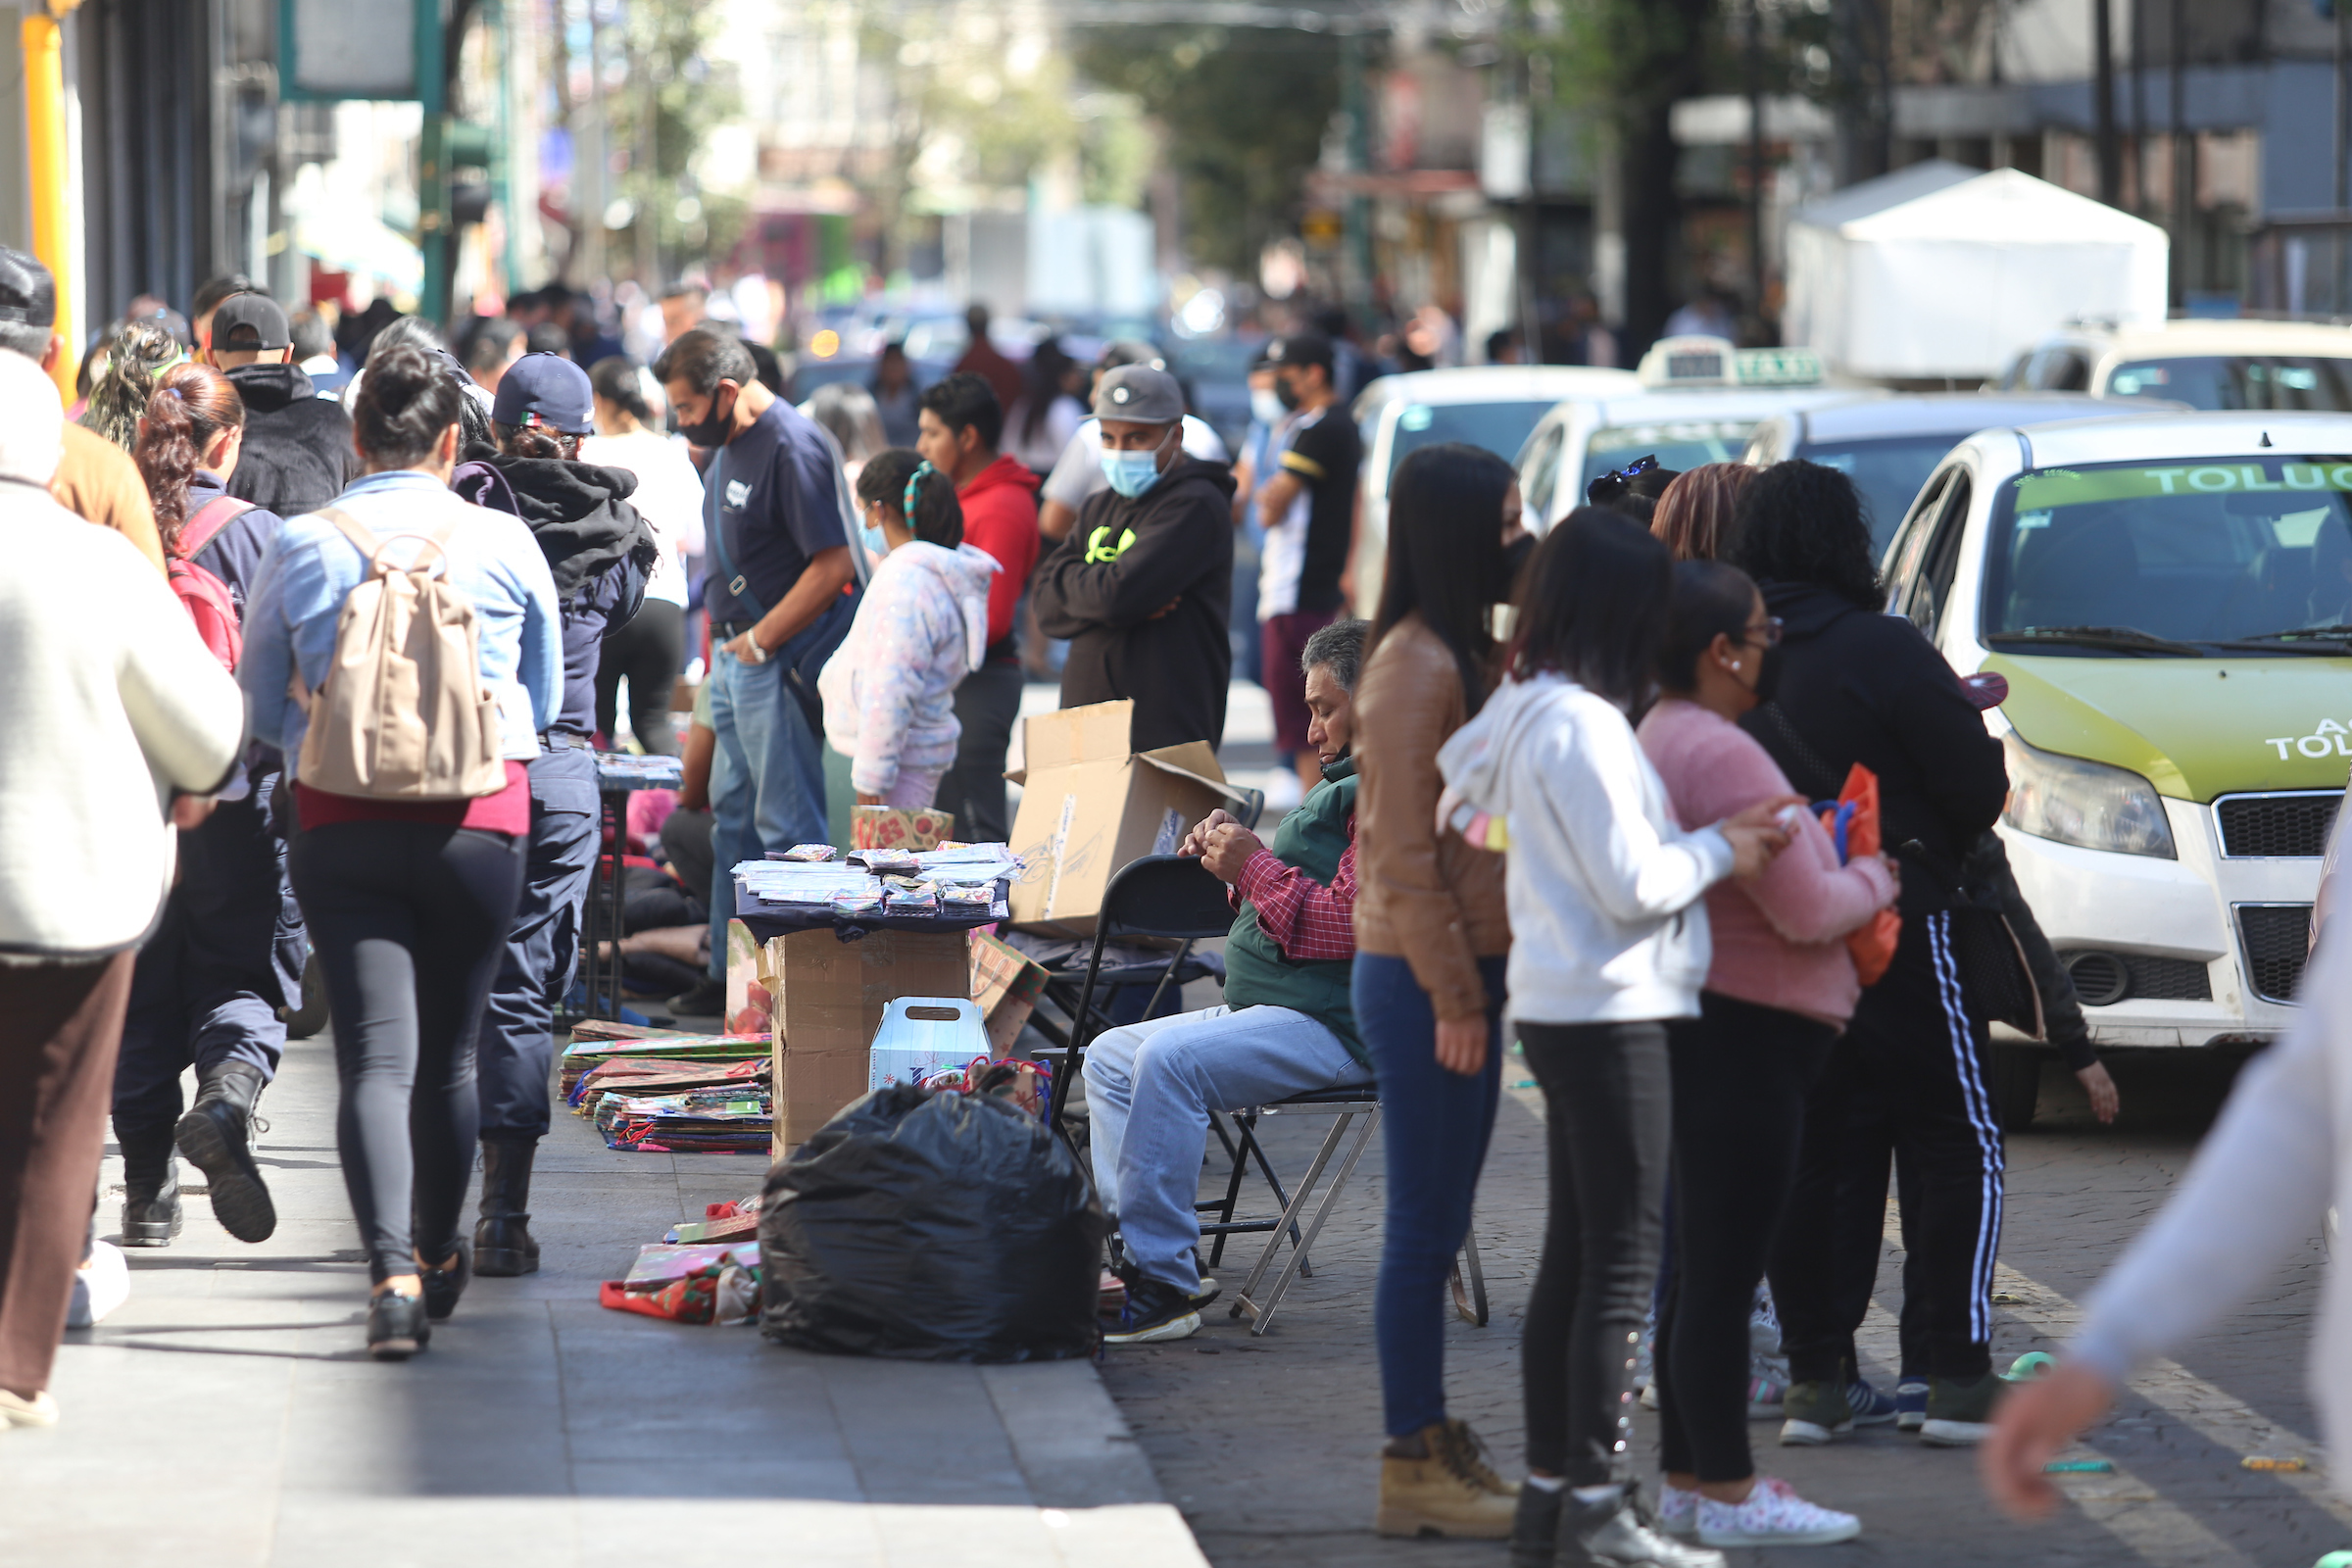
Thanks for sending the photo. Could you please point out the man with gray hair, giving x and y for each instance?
(1286, 1027)
(1141, 585)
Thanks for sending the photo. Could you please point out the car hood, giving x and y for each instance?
(2193, 727)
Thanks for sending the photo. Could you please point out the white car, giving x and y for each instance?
(2205, 364)
(1489, 406)
(1695, 399)
(2170, 599)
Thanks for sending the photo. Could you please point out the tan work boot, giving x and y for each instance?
(1448, 1490)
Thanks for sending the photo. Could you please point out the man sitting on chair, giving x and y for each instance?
(1286, 1028)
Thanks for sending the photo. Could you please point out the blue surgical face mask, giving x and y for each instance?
(871, 537)
(1265, 407)
(1131, 473)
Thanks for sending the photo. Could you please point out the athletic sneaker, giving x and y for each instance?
(1773, 1516)
(1959, 1414)
(1871, 1407)
(1816, 1414)
(1154, 1310)
(1678, 1510)
(1205, 1291)
(1767, 1396)
(1911, 1404)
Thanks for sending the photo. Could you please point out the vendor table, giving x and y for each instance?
(619, 775)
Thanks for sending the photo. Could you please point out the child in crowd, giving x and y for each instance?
(889, 690)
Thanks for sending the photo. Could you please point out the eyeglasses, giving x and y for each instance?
(1765, 633)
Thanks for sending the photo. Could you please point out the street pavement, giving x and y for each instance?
(226, 1416)
(1268, 1444)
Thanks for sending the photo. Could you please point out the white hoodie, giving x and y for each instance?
(890, 689)
(1603, 887)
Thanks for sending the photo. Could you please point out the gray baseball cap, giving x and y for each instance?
(1139, 393)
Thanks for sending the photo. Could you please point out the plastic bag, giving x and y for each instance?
(932, 1227)
(1853, 821)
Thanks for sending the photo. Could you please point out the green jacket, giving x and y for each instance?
(1313, 838)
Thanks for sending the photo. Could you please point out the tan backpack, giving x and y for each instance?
(403, 715)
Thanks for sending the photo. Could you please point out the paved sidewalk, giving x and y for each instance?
(228, 1415)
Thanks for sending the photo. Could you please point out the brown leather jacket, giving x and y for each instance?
(1427, 898)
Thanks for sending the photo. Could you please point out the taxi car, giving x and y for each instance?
(2170, 599)
(2206, 364)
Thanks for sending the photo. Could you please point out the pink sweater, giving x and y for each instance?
(1776, 938)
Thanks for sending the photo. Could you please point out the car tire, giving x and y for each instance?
(307, 1020)
(2016, 1085)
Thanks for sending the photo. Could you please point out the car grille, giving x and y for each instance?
(2277, 938)
(2103, 979)
(2277, 825)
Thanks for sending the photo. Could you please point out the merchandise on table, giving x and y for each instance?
(810, 852)
(956, 886)
(626, 770)
(713, 1121)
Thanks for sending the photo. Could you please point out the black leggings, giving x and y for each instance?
(408, 922)
(1606, 1128)
(1740, 1076)
(651, 651)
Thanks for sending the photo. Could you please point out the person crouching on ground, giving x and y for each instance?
(890, 689)
(1780, 987)
(118, 724)
(1286, 1027)
(1609, 943)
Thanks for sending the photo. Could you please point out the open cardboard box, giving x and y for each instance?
(1090, 805)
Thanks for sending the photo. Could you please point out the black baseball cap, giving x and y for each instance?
(248, 322)
(547, 390)
(1299, 348)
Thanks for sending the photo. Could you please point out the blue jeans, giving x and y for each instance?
(1150, 1088)
(516, 1046)
(1435, 1125)
(767, 779)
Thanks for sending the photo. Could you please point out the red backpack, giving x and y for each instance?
(204, 596)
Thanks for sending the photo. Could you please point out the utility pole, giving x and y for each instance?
(2183, 191)
(1754, 68)
(2111, 162)
(434, 235)
(1353, 103)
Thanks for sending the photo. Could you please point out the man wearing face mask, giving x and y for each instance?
(1141, 585)
(781, 600)
(1308, 508)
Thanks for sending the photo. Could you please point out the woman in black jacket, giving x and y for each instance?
(1849, 684)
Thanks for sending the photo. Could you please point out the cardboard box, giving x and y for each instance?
(1005, 982)
(830, 996)
(1090, 805)
(887, 827)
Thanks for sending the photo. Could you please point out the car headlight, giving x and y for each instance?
(2086, 803)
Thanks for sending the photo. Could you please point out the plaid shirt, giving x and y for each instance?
(1306, 920)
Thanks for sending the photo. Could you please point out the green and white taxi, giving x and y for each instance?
(2170, 598)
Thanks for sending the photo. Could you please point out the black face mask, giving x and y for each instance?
(715, 426)
(1288, 391)
(1514, 560)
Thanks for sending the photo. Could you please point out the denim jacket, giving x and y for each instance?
(291, 615)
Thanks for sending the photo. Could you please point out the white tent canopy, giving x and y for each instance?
(1942, 270)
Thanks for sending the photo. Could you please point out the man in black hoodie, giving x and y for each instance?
(601, 552)
(1846, 685)
(1143, 583)
(298, 454)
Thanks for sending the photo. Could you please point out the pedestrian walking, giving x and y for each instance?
(409, 848)
(1846, 685)
(1696, 511)
(982, 358)
(895, 395)
(1141, 585)
(134, 355)
(298, 454)
(1780, 986)
(960, 427)
(650, 652)
(1609, 943)
(601, 552)
(1427, 991)
(227, 953)
(890, 689)
(1308, 506)
(781, 600)
(121, 725)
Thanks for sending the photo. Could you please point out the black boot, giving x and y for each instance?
(217, 1136)
(502, 1239)
(150, 1186)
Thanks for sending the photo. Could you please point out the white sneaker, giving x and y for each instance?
(99, 1286)
(1678, 1510)
(1773, 1516)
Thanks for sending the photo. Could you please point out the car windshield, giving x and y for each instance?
(1501, 428)
(2239, 381)
(1889, 472)
(1678, 445)
(2129, 560)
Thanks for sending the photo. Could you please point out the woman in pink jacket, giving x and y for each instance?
(1779, 988)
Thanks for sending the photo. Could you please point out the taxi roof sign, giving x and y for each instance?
(1696, 359)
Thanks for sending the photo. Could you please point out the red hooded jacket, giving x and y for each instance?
(999, 515)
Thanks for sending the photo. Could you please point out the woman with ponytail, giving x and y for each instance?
(227, 951)
(922, 625)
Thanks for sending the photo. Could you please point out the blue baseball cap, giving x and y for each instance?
(547, 390)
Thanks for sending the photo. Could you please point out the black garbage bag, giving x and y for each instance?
(932, 1227)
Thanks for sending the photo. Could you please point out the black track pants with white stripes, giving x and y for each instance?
(1916, 1056)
